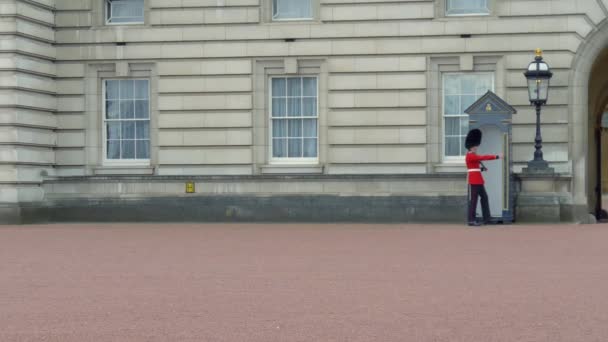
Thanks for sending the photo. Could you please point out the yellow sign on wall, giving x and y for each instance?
(190, 188)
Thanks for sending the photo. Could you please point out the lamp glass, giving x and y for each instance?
(543, 88)
(532, 90)
(538, 89)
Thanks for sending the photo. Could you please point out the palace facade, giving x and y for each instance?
(304, 110)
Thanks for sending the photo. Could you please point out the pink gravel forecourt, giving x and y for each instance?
(303, 282)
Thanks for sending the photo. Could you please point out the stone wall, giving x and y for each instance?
(379, 65)
(258, 198)
(381, 108)
(27, 102)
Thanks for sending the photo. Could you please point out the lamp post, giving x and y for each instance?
(538, 75)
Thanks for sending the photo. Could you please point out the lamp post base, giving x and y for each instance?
(538, 167)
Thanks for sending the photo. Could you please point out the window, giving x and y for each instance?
(294, 119)
(467, 7)
(292, 9)
(459, 92)
(126, 121)
(124, 11)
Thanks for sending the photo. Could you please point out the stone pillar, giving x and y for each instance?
(27, 94)
(546, 198)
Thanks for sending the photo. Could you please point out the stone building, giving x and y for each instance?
(289, 109)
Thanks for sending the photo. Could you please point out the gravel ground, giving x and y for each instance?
(265, 283)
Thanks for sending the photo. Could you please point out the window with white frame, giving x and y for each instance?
(294, 118)
(459, 92)
(126, 121)
(124, 11)
(292, 9)
(467, 7)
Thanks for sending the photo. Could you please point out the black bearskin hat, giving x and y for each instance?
(473, 139)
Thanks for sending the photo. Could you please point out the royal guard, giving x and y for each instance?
(477, 189)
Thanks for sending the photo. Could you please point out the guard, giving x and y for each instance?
(475, 179)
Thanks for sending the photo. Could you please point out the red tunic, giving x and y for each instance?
(474, 168)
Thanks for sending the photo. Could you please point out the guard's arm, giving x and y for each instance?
(486, 157)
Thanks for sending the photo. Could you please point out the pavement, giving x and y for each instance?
(297, 282)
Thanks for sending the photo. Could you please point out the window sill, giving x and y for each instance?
(291, 169)
(457, 17)
(125, 23)
(450, 167)
(292, 20)
(448, 15)
(123, 170)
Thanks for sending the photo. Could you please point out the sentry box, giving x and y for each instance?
(492, 115)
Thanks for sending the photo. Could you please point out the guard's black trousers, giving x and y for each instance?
(477, 192)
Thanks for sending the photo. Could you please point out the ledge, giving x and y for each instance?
(291, 169)
(124, 171)
(535, 176)
(450, 168)
(241, 178)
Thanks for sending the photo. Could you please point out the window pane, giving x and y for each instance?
(112, 89)
(112, 110)
(126, 89)
(468, 83)
(452, 126)
(294, 97)
(451, 85)
(127, 138)
(142, 130)
(467, 6)
(126, 8)
(128, 149)
(113, 130)
(294, 106)
(452, 146)
(460, 92)
(310, 86)
(141, 89)
(310, 107)
(310, 128)
(464, 125)
(279, 128)
(279, 148)
(113, 149)
(142, 109)
(275, 8)
(310, 148)
(109, 11)
(463, 150)
(127, 109)
(124, 11)
(295, 148)
(128, 130)
(143, 149)
(279, 107)
(295, 128)
(452, 105)
(278, 87)
(292, 9)
(294, 86)
(483, 84)
(466, 101)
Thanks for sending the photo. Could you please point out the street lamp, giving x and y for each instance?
(538, 75)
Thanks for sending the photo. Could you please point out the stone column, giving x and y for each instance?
(27, 94)
(547, 198)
